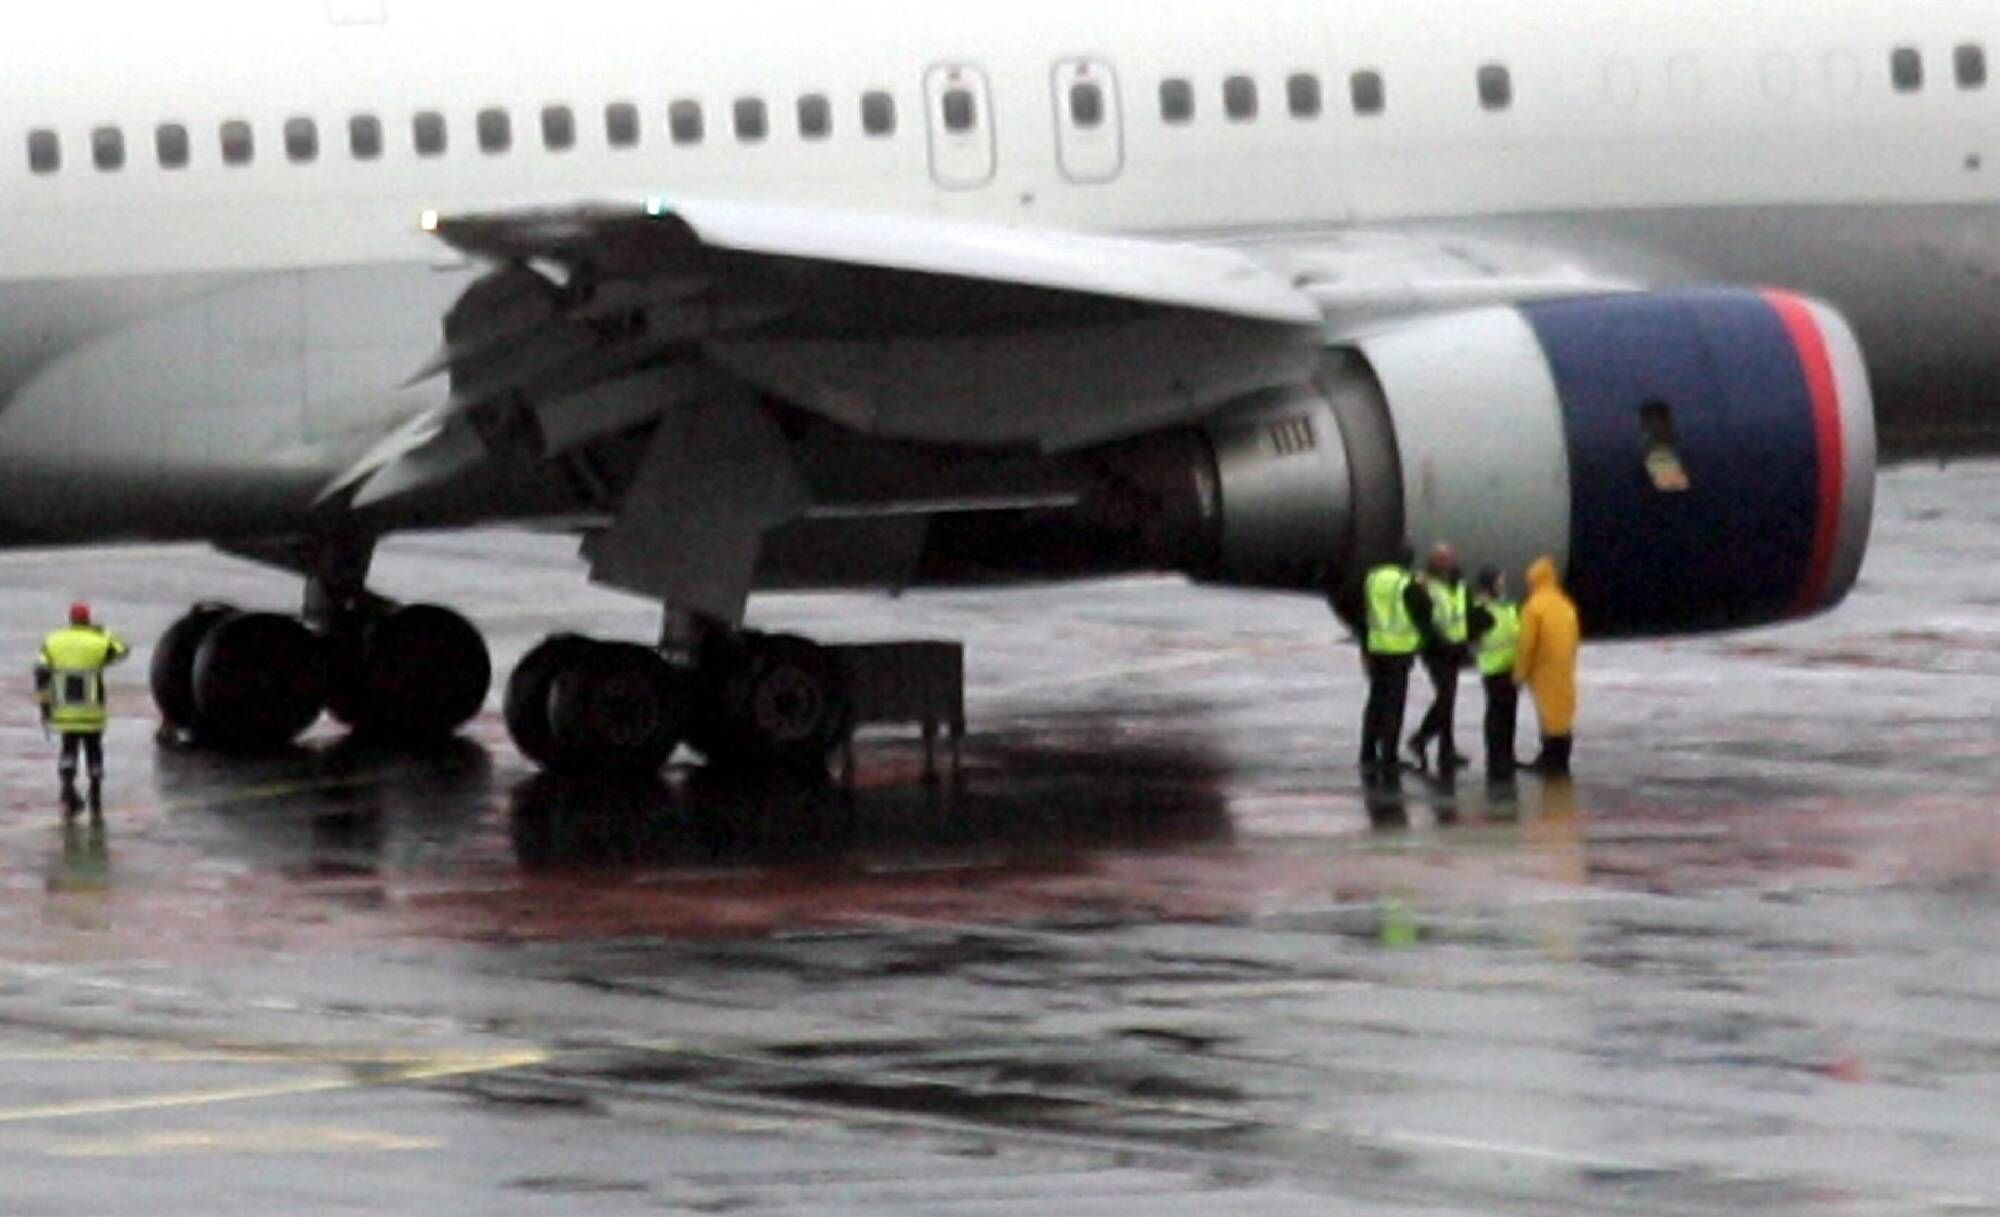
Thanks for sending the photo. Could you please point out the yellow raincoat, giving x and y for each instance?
(1546, 662)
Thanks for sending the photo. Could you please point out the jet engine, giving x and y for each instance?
(1695, 461)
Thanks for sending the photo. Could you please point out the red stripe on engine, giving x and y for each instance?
(1817, 364)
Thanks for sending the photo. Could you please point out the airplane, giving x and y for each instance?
(888, 294)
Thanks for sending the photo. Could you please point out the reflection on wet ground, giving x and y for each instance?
(1158, 951)
(696, 819)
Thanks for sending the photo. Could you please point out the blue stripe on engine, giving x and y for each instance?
(1735, 548)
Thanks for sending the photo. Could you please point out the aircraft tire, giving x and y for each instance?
(172, 673)
(617, 709)
(420, 673)
(526, 704)
(259, 682)
(784, 706)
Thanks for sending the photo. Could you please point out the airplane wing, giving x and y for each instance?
(896, 327)
(903, 328)
(1365, 278)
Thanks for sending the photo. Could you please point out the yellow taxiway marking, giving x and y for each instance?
(190, 1142)
(434, 1069)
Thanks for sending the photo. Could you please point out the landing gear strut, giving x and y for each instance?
(747, 700)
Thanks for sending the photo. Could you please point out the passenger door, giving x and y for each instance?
(960, 106)
(1090, 121)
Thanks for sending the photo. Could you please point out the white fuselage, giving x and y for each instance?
(285, 293)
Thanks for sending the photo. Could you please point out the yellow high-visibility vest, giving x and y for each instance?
(76, 658)
(1449, 611)
(1499, 645)
(1390, 630)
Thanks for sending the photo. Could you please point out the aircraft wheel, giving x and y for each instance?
(784, 704)
(527, 701)
(617, 708)
(420, 673)
(259, 682)
(173, 662)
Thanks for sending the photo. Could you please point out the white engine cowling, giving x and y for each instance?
(1694, 460)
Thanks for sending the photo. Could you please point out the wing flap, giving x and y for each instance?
(655, 240)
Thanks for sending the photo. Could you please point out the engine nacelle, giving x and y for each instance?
(1695, 460)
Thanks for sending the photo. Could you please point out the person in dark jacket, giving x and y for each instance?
(1444, 654)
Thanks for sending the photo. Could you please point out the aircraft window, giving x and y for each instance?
(753, 120)
(1906, 69)
(621, 124)
(1969, 60)
(301, 141)
(1086, 104)
(239, 143)
(961, 111)
(495, 128)
(878, 114)
(686, 122)
(364, 137)
(1239, 98)
(1496, 87)
(1370, 94)
(815, 116)
(172, 145)
(44, 151)
(107, 149)
(1304, 95)
(428, 131)
(1177, 101)
(558, 128)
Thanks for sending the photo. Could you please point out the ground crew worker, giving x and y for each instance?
(1546, 663)
(1444, 654)
(1495, 627)
(70, 682)
(1399, 613)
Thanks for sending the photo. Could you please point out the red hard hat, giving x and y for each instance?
(79, 613)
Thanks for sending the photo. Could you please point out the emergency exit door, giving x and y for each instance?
(1090, 121)
(961, 126)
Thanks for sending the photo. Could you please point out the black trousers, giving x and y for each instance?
(1443, 667)
(1503, 716)
(91, 744)
(1388, 695)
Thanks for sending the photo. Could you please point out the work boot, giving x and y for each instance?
(1419, 747)
(1559, 750)
(72, 802)
(1554, 759)
(96, 795)
(1451, 759)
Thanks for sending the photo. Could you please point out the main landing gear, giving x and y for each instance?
(775, 701)
(252, 681)
(414, 674)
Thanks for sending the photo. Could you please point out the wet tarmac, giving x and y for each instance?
(1155, 951)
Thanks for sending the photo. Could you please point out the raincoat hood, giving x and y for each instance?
(1542, 575)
